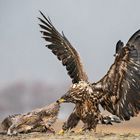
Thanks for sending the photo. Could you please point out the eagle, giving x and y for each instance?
(118, 91)
(38, 120)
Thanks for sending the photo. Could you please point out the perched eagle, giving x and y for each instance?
(118, 91)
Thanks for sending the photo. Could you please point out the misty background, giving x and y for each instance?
(30, 75)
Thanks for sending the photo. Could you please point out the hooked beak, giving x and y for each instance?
(61, 100)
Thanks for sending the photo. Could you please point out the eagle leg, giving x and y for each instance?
(90, 125)
(70, 123)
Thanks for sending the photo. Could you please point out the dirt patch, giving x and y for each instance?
(72, 136)
(124, 131)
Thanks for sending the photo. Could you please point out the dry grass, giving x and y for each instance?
(72, 136)
(124, 131)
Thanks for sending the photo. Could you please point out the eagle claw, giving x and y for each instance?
(61, 132)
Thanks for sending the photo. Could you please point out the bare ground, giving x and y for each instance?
(72, 136)
(124, 131)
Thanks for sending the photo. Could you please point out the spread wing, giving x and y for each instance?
(120, 87)
(61, 47)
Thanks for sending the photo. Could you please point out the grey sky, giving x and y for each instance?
(92, 26)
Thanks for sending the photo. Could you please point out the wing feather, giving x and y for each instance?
(61, 47)
(120, 87)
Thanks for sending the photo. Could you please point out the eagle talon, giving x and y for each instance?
(61, 132)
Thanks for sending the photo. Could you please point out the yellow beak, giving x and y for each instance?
(61, 100)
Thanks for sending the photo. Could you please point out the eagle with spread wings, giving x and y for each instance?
(117, 92)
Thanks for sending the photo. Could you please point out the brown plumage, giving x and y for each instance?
(38, 120)
(64, 51)
(121, 85)
(118, 91)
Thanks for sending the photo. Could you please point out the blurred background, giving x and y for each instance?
(30, 75)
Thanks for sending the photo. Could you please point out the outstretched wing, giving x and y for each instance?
(61, 47)
(120, 87)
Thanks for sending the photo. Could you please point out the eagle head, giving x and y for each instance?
(76, 94)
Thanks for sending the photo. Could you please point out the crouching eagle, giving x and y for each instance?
(118, 91)
(38, 120)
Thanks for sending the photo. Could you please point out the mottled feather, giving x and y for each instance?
(120, 87)
(118, 91)
(64, 51)
(38, 120)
